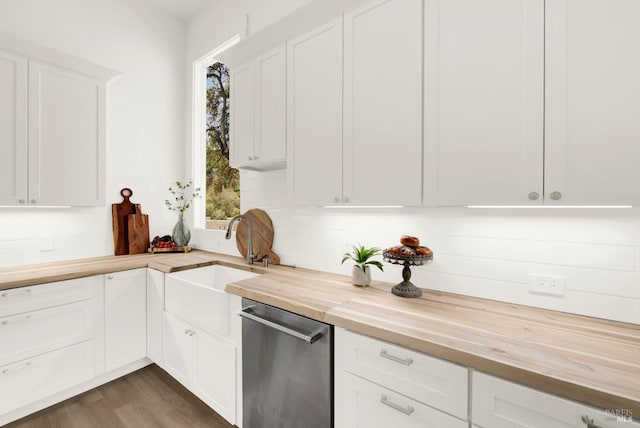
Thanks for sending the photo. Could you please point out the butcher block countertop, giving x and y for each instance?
(588, 360)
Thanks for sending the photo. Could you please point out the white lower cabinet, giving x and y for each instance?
(368, 405)
(379, 384)
(40, 376)
(51, 340)
(498, 403)
(125, 317)
(155, 315)
(203, 363)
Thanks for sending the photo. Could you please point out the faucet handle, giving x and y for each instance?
(265, 261)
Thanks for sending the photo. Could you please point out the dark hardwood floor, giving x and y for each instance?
(147, 398)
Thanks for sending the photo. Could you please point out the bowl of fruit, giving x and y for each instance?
(165, 244)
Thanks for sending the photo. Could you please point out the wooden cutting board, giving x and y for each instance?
(262, 236)
(138, 233)
(120, 214)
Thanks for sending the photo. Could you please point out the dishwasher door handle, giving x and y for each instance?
(309, 338)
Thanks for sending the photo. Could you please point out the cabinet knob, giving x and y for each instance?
(22, 201)
(336, 199)
(345, 199)
(533, 196)
(249, 158)
(555, 196)
(110, 276)
(33, 201)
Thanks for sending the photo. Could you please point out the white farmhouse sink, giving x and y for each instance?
(198, 297)
(214, 276)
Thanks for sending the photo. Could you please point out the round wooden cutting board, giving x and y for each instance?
(262, 229)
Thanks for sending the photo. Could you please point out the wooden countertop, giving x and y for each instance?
(589, 360)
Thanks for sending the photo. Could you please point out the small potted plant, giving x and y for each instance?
(361, 274)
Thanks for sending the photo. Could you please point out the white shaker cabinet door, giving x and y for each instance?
(13, 128)
(592, 92)
(314, 116)
(66, 137)
(271, 111)
(483, 102)
(383, 104)
(178, 349)
(125, 317)
(242, 115)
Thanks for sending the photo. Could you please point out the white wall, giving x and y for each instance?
(145, 126)
(484, 253)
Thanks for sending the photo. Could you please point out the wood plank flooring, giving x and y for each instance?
(147, 398)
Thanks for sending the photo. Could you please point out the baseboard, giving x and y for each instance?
(72, 392)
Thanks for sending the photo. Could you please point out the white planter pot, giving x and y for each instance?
(360, 278)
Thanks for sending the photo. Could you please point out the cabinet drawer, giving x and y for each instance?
(498, 403)
(423, 378)
(24, 299)
(367, 405)
(36, 332)
(32, 379)
(204, 307)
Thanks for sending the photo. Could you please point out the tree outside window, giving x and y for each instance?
(222, 181)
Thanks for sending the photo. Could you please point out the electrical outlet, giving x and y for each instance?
(546, 284)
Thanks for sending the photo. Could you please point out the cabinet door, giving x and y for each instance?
(242, 115)
(498, 403)
(592, 94)
(368, 405)
(483, 117)
(383, 104)
(270, 115)
(125, 317)
(66, 137)
(155, 311)
(13, 128)
(314, 116)
(214, 374)
(178, 349)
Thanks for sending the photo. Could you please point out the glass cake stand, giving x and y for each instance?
(406, 287)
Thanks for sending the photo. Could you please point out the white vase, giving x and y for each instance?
(360, 278)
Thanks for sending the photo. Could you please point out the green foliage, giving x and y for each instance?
(223, 182)
(361, 257)
(222, 205)
(182, 196)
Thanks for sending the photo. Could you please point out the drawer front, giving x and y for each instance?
(205, 308)
(426, 379)
(25, 299)
(36, 332)
(29, 380)
(367, 405)
(498, 403)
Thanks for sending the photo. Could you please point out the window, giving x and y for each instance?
(210, 142)
(222, 181)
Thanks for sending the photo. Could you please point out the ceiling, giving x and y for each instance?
(183, 9)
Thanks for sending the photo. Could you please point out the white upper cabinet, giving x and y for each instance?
(314, 116)
(383, 103)
(258, 112)
(66, 137)
(483, 102)
(14, 128)
(242, 114)
(52, 127)
(592, 126)
(351, 156)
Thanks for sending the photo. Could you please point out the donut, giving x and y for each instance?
(395, 250)
(423, 251)
(407, 251)
(409, 241)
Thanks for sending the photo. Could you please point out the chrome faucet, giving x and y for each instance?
(250, 255)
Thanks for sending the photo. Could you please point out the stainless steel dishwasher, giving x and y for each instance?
(287, 369)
